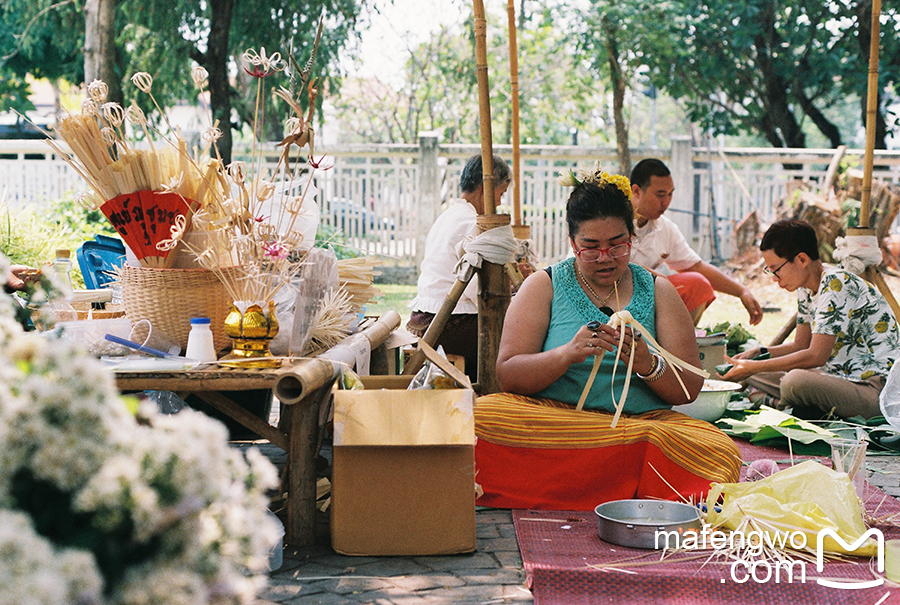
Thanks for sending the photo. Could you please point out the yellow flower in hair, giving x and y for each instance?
(597, 177)
(619, 181)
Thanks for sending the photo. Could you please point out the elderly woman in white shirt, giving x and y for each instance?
(436, 278)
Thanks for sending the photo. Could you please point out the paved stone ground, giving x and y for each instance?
(492, 575)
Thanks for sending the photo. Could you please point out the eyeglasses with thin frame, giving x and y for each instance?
(774, 272)
(593, 255)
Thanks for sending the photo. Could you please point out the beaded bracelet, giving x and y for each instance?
(656, 372)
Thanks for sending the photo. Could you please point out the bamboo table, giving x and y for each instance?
(301, 387)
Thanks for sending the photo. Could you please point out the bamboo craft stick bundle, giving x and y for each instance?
(356, 276)
(133, 169)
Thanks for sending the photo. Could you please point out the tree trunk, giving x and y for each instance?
(619, 86)
(100, 46)
(216, 64)
(779, 124)
(825, 126)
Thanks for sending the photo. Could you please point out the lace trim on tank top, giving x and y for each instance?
(642, 301)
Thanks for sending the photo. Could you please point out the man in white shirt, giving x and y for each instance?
(437, 276)
(658, 240)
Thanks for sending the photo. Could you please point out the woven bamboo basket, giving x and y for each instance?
(169, 298)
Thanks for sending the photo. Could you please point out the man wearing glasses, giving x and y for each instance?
(846, 339)
(658, 240)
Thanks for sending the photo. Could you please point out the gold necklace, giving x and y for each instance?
(591, 290)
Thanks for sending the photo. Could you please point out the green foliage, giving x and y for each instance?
(329, 237)
(44, 38)
(167, 39)
(440, 90)
(786, 63)
(31, 237)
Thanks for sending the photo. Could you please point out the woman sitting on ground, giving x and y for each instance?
(534, 449)
(846, 337)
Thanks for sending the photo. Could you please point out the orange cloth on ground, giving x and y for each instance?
(693, 288)
(542, 454)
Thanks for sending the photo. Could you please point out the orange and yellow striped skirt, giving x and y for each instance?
(542, 454)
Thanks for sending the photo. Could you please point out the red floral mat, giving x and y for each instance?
(567, 563)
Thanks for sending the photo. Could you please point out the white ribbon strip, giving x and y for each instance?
(619, 320)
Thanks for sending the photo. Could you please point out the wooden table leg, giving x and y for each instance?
(303, 442)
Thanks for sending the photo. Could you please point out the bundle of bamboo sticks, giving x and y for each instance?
(356, 276)
(114, 168)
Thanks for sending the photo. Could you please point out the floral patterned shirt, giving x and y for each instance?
(851, 309)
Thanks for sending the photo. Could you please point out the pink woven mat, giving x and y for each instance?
(567, 563)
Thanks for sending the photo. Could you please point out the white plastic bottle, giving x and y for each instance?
(200, 345)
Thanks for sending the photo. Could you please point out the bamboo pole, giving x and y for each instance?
(436, 327)
(514, 93)
(484, 108)
(494, 290)
(871, 114)
(871, 273)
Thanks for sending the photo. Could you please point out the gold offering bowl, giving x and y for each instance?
(251, 332)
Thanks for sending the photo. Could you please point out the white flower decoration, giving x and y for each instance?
(89, 107)
(143, 81)
(211, 135)
(266, 63)
(98, 90)
(200, 76)
(135, 115)
(108, 135)
(113, 113)
(236, 171)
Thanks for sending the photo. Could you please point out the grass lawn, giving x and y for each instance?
(393, 298)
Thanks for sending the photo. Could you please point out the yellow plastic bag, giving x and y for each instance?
(805, 498)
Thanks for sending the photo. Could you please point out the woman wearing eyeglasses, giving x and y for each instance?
(534, 449)
(846, 338)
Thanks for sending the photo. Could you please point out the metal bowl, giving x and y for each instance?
(635, 523)
(711, 402)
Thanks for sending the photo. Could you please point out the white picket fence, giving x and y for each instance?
(384, 198)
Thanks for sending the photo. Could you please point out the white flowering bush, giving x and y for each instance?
(104, 501)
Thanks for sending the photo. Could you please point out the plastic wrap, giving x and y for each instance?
(889, 400)
(319, 275)
(805, 498)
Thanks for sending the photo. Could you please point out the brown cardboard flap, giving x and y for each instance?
(392, 417)
(451, 370)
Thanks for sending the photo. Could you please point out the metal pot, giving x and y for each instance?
(635, 523)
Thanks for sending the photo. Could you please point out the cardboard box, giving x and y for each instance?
(710, 357)
(403, 474)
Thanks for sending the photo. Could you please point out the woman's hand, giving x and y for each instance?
(595, 339)
(18, 276)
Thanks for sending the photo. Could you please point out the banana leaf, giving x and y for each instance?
(771, 427)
